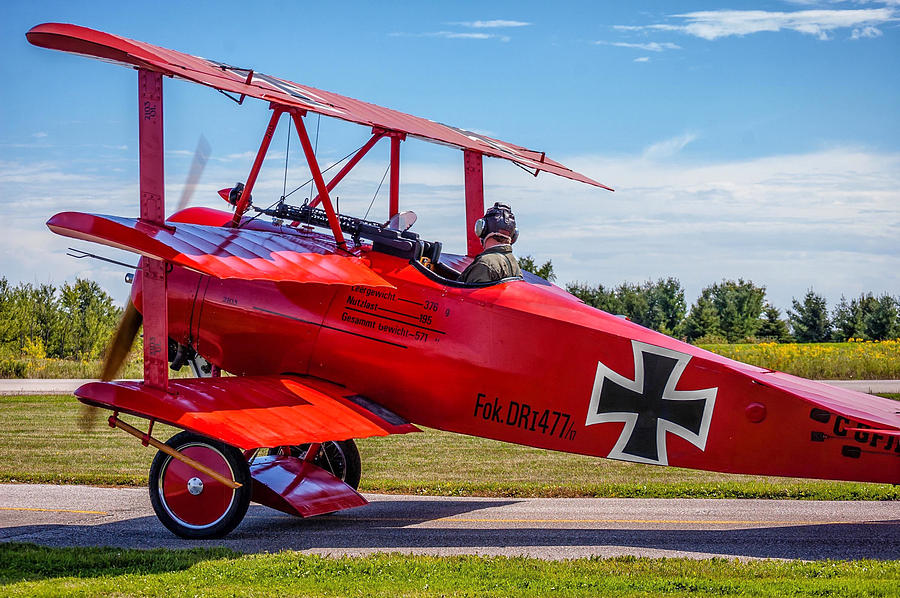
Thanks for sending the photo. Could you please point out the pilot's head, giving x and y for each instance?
(499, 223)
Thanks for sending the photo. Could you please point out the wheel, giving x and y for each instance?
(191, 503)
(338, 457)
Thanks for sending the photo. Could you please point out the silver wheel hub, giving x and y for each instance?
(195, 486)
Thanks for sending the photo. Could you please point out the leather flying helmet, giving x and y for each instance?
(498, 219)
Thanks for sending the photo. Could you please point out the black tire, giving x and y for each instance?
(338, 457)
(215, 508)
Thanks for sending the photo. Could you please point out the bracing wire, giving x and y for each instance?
(324, 171)
(371, 203)
(287, 154)
(281, 199)
(315, 148)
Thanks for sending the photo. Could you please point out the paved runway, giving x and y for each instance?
(40, 386)
(545, 528)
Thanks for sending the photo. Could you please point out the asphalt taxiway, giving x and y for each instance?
(553, 528)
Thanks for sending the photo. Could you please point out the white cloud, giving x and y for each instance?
(642, 59)
(715, 24)
(867, 31)
(649, 46)
(454, 35)
(668, 147)
(39, 135)
(492, 24)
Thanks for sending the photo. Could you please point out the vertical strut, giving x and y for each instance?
(150, 134)
(395, 176)
(474, 199)
(153, 272)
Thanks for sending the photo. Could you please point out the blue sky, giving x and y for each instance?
(761, 140)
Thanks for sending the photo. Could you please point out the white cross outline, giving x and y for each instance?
(669, 393)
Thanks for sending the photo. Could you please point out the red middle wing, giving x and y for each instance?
(218, 251)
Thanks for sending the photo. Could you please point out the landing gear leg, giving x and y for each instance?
(338, 457)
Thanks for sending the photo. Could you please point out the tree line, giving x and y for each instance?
(74, 321)
(737, 311)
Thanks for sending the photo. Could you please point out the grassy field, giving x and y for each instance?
(28, 570)
(40, 441)
(70, 368)
(870, 360)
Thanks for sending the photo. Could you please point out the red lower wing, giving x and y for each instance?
(252, 411)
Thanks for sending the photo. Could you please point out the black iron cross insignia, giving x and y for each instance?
(650, 406)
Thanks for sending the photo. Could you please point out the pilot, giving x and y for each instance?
(497, 231)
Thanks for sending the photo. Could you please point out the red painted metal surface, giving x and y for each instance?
(88, 42)
(156, 323)
(526, 362)
(251, 411)
(201, 215)
(474, 199)
(298, 487)
(221, 252)
(150, 132)
(244, 201)
(211, 504)
(152, 206)
(394, 202)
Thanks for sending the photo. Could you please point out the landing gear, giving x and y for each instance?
(192, 504)
(338, 457)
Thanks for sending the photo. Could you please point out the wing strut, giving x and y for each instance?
(316, 172)
(474, 199)
(244, 201)
(377, 134)
(394, 208)
(153, 272)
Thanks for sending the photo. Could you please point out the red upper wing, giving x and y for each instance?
(89, 42)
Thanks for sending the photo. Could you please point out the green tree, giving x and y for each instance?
(545, 270)
(596, 296)
(882, 321)
(74, 322)
(90, 316)
(737, 307)
(655, 304)
(703, 320)
(772, 327)
(809, 319)
(633, 303)
(665, 299)
(849, 318)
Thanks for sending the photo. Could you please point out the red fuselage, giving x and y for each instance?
(521, 361)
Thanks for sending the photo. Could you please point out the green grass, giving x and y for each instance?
(40, 442)
(25, 367)
(869, 360)
(28, 570)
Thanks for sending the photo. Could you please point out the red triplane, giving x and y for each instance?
(337, 328)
